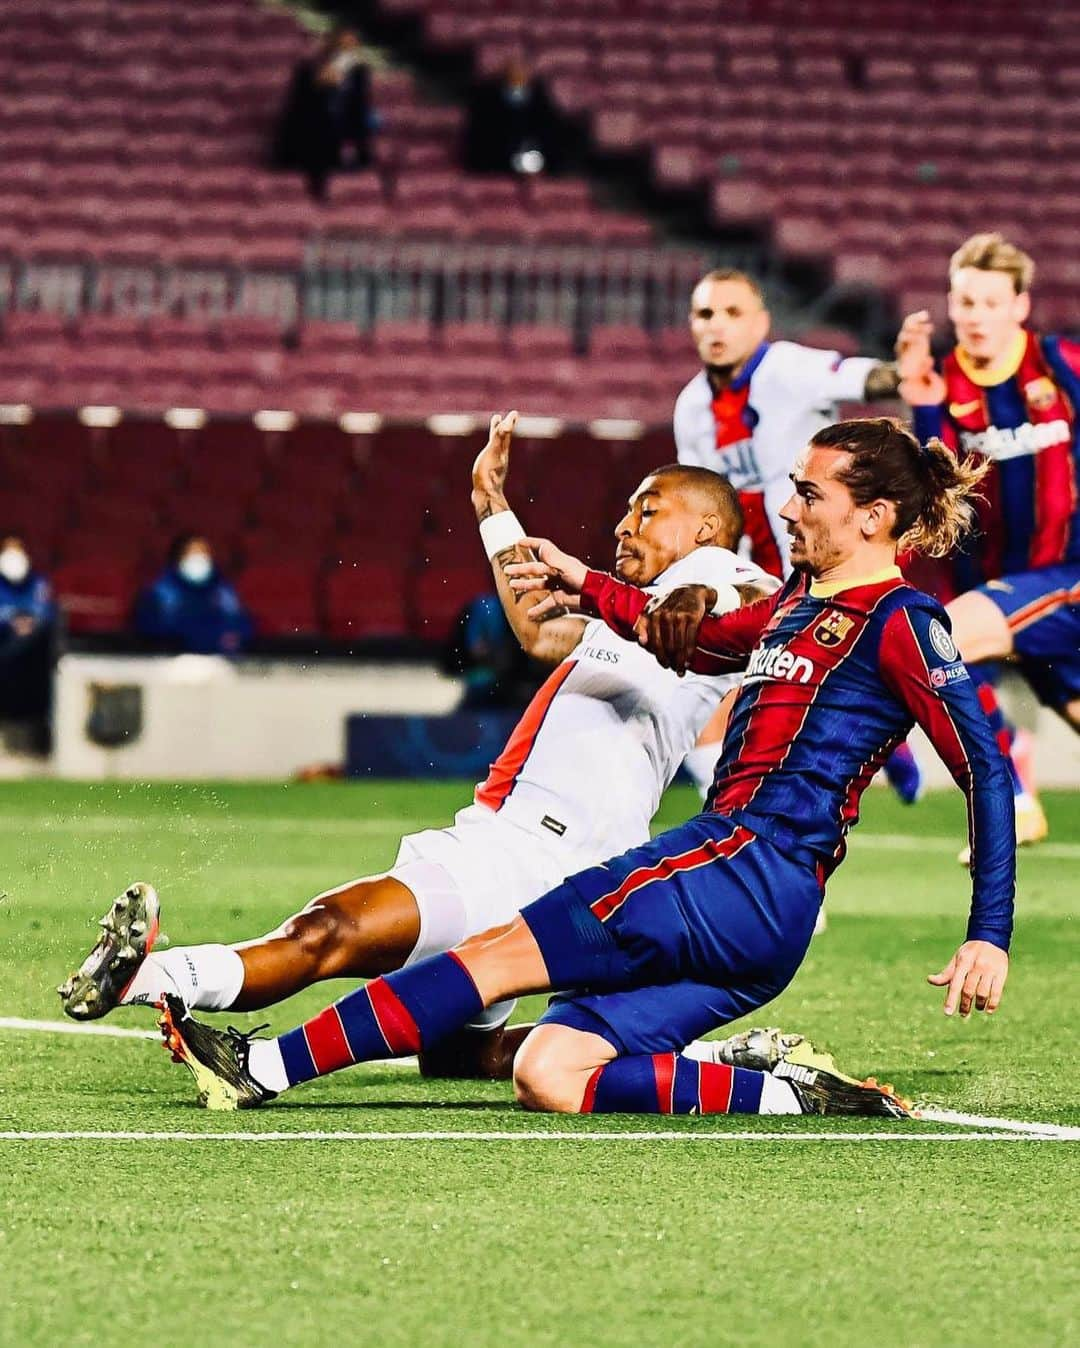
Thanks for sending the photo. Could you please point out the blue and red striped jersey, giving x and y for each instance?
(1021, 415)
(835, 677)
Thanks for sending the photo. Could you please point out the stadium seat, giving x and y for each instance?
(280, 595)
(96, 596)
(365, 601)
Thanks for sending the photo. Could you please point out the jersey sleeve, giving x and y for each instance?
(682, 425)
(922, 667)
(724, 643)
(1069, 354)
(822, 377)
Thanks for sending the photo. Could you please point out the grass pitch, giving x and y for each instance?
(696, 1237)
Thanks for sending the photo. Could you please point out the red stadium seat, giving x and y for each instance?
(280, 595)
(365, 601)
(96, 596)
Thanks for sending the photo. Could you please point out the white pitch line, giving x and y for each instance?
(116, 1032)
(78, 1135)
(1057, 1131)
(66, 1027)
(397, 825)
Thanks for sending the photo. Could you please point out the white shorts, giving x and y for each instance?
(478, 873)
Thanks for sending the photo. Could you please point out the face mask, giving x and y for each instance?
(14, 565)
(196, 568)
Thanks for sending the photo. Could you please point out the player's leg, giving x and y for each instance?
(399, 1014)
(621, 1053)
(358, 930)
(641, 919)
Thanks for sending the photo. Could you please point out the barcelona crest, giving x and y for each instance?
(1040, 394)
(833, 628)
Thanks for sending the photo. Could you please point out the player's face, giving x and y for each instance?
(659, 527)
(986, 312)
(822, 517)
(727, 322)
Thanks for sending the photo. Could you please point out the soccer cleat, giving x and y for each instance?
(128, 932)
(1031, 827)
(757, 1050)
(822, 1088)
(218, 1060)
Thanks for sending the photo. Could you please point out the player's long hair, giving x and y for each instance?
(933, 490)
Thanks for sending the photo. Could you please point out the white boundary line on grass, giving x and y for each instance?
(1013, 1127)
(399, 824)
(87, 1135)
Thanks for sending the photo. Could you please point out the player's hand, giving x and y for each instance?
(925, 389)
(913, 342)
(553, 570)
(669, 624)
(489, 471)
(975, 977)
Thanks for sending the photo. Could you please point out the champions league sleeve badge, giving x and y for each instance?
(941, 641)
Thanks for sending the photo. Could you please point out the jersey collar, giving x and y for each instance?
(827, 589)
(746, 373)
(1006, 367)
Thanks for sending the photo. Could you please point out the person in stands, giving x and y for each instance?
(191, 607)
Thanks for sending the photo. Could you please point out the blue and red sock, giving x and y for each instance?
(1003, 730)
(668, 1083)
(389, 1018)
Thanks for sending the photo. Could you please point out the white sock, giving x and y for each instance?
(700, 763)
(267, 1066)
(204, 977)
(777, 1097)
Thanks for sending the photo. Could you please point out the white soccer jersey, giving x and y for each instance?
(590, 758)
(754, 429)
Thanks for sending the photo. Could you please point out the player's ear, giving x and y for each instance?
(880, 518)
(1022, 306)
(708, 530)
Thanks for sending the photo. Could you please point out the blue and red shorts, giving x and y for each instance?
(1042, 609)
(698, 927)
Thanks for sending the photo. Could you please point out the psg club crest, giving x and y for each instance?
(833, 628)
(1040, 394)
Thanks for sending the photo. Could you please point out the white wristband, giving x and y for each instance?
(499, 532)
(727, 600)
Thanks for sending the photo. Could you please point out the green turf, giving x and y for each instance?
(524, 1241)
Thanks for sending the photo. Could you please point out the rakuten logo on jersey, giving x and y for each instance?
(1011, 442)
(777, 662)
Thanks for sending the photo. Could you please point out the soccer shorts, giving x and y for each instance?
(1042, 609)
(704, 924)
(477, 874)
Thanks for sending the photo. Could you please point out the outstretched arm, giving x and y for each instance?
(922, 667)
(547, 639)
(678, 627)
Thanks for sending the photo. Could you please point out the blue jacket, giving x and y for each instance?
(206, 619)
(32, 595)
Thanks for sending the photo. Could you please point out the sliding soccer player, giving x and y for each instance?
(580, 778)
(1009, 397)
(711, 920)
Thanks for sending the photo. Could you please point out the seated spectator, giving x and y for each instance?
(512, 126)
(27, 639)
(191, 607)
(326, 123)
(484, 651)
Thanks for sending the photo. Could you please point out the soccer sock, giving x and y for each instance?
(388, 1018)
(1003, 730)
(204, 977)
(671, 1083)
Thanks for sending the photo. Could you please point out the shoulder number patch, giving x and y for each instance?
(942, 642)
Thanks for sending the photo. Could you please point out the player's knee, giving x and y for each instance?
(316, 931)
(547, 1078)
(1072, 714)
